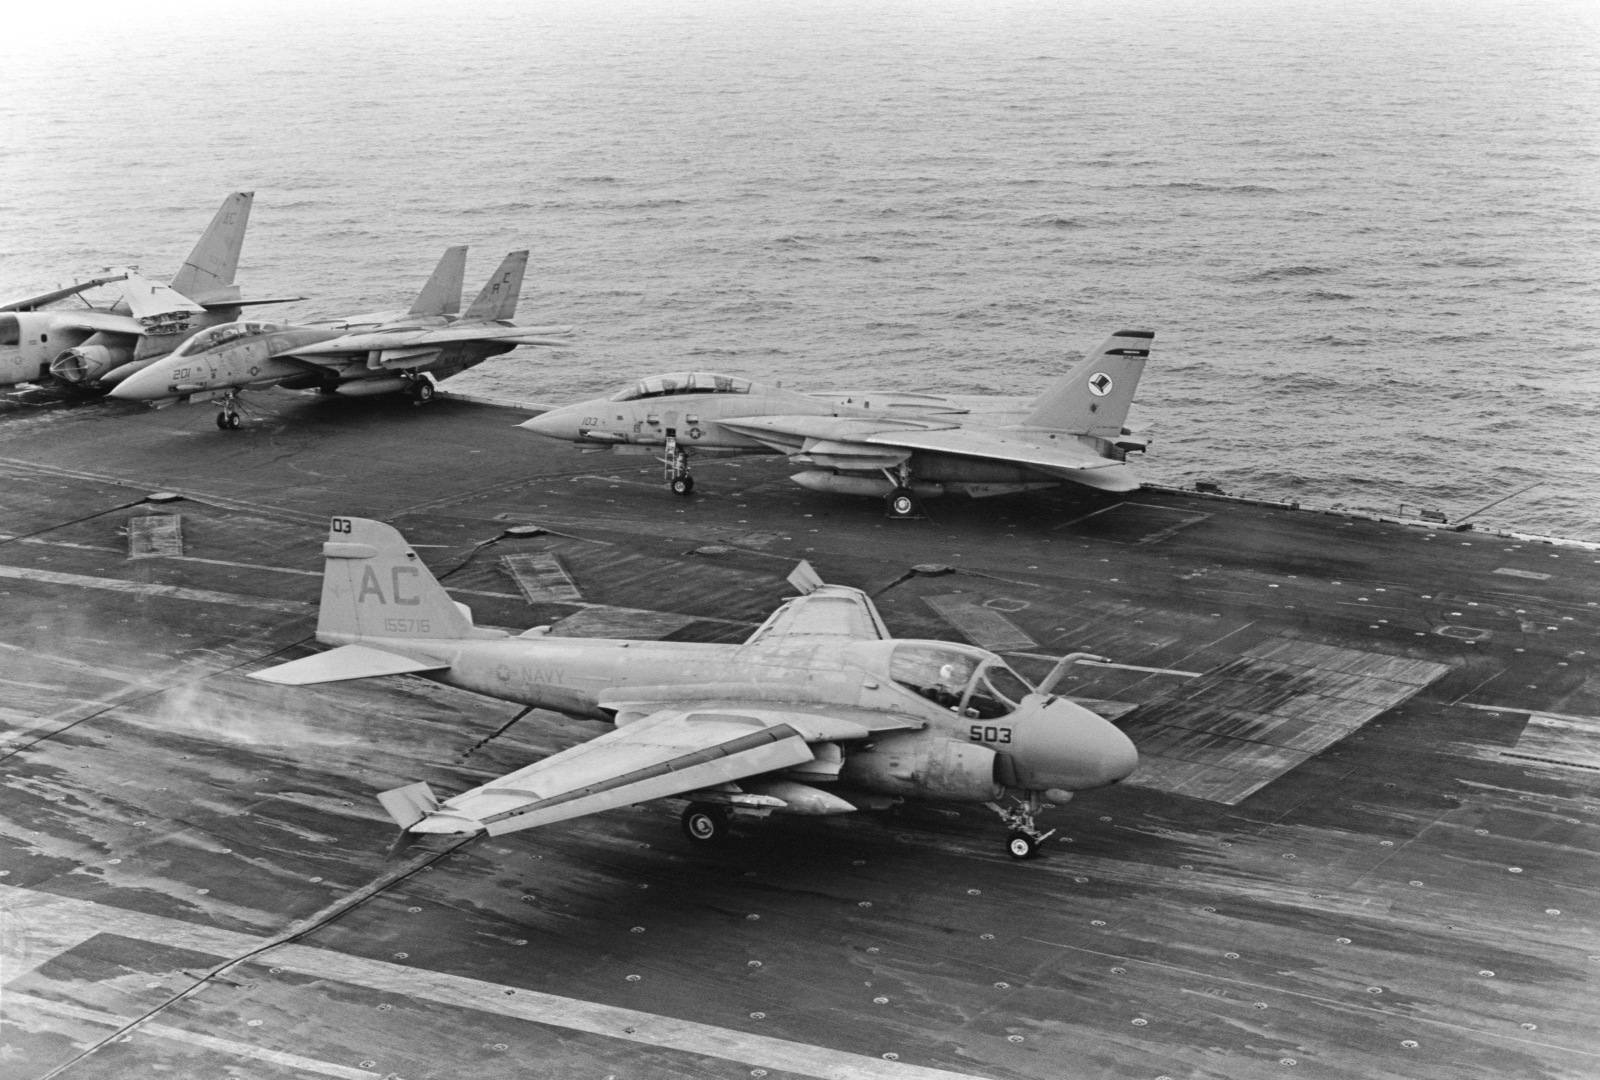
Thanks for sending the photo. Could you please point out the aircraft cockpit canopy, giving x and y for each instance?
(221, 335)
(683, 382)
(970, 683)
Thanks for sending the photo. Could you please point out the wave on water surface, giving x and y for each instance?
(1371, 269)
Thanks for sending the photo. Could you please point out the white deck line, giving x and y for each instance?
(193, 1038)
(30, 919)
(139, 588)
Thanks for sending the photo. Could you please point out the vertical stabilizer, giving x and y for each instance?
(207, 274)
(498, 300)
(375, 586)
(442, 294)
(1093, 398)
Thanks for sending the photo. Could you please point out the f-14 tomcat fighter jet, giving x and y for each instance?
(900, 446)
(386, 352)
(91, 346)
(819, 712)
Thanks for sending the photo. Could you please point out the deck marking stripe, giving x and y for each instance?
(1530, 712)
(1330, 1003)
(256, 509)
(138, 588)
(194, 1038)
(65, 917)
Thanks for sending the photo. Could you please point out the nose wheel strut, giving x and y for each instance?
(676, 468)
(1024, 839)
(228, 418)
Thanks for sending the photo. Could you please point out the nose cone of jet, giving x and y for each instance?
(1070, 748)
(555, 424)
(147, 385)
(1114, 754)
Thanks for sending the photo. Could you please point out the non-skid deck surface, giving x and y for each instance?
(1359, 846)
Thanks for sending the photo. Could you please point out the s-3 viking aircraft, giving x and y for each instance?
(897, 445)
(820, 711)
(381, 353)
(92, 346)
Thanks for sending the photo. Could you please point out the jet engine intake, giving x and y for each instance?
(86, 363)
(922, 765)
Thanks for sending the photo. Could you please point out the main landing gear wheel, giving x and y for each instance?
(682, 485)
(229, 421)
(705, 824)
(421, 391)
(901, 504)
(1022, 846)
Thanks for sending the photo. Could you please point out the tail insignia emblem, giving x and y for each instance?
(1100, 384)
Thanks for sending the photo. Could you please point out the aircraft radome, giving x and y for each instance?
(381, 353)
(90, 347)
(896, 445)
(819, 712)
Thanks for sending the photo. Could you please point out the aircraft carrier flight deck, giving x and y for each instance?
(1361, 840)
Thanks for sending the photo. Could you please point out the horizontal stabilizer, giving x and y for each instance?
(252, 303)
(554, 342)
(345, 662)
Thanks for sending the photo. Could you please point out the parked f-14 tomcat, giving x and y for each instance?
(820, 711)
(385, 352)
(896, 445)
(97, 346)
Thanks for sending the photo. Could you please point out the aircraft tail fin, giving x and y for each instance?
(498, 300)
(1093, 398)
(375, 587)
(442, 294)
(208, 271)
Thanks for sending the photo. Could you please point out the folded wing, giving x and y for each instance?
(670, 752)
(849, 437)
(413, 338)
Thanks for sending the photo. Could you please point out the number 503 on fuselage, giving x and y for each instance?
(820, 711)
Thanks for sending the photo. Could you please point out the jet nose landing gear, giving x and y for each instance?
(676, 467)
(228, 418)
(1024, 839)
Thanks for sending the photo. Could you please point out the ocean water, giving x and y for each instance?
(1365, 233)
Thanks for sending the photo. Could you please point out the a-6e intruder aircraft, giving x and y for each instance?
(381, 353)
(820, 711)
(90, 347)
(896, 445)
